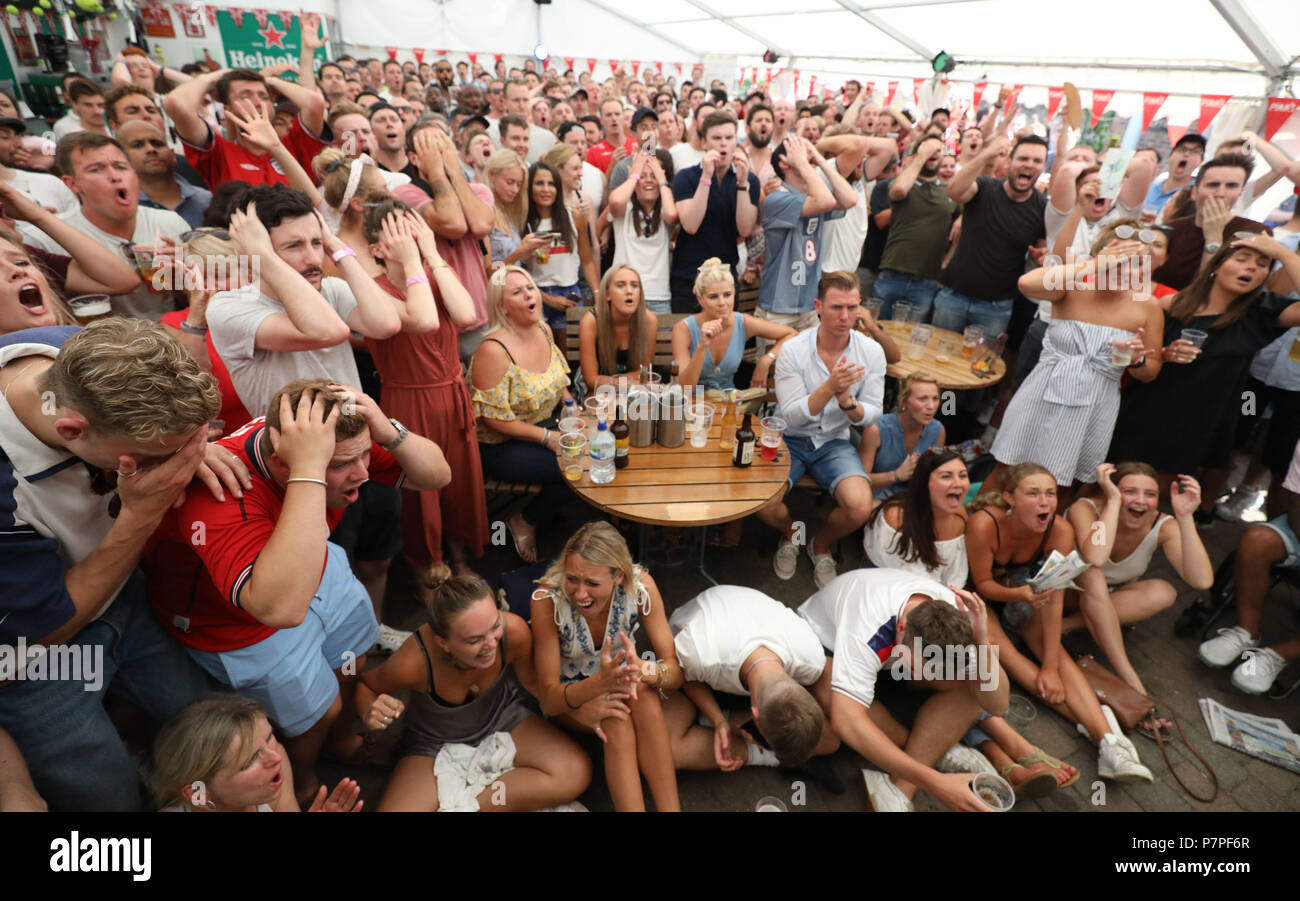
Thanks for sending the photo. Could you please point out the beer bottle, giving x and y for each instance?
(622, 434)
(743, 453)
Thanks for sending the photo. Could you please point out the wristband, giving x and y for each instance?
(546, 436)
(320, 482)
(1140, 361)
(417, 280)
(771, 356)
(441, 264)
(189, 329)
(338, 255)
(565, 692)
(850, 406)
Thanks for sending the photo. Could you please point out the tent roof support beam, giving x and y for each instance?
(1239, 19)
(732, 23)
(881, 25)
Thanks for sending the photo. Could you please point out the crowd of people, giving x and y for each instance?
(264, 333)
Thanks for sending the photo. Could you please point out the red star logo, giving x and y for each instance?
(273, 36)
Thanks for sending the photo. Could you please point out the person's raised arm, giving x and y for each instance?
(259, 131)
(94, 268)
(424, 467)
(184, 104)
(1278, 163)
(479, 217)
(848, 151)
(444, 215)
(418, 314)
(312, 40)
(845, 197)
(455, 296)
(1137, 181)
(621, 196)
(1050, 282)
(746, 207)
(691, 208)
(1062, 193)
(964, 184)
(901, 186)
(819, 199)
(1094, 533)
(310, 102)
(691, 363)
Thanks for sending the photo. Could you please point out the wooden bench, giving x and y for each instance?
(663, 359)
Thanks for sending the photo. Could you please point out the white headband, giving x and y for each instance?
(354, 178)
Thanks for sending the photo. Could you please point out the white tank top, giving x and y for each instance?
(1132, 567)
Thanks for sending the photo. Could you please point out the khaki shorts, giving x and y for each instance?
(797, 321)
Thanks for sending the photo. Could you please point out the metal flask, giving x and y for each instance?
(672, 417)
(641, 403)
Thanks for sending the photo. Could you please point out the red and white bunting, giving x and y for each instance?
(659, 66)
(419, 54)
(1014, 95)
(1151, 103)
(261, 15)
(636, 67)
(1279, 110)
(591, 65)
(980, 88)
(568, 61)
(473, 56)
(1210, 106)
(796, 82)
(768, 72)
(826, 93)
(1100, 100)
(391, 51)
(212, 15)
(498, 56)
(812, 85)
(613, 65)
(679, 68)
(441, 52)
(916, 89)
(237, 16)
(1054, 98)
(889, 96)
(1176, 132)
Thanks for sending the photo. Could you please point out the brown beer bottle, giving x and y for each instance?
(622, 434)
(743, 453)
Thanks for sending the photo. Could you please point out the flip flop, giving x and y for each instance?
(1036, 786)
(522, 543)
(1041, 756)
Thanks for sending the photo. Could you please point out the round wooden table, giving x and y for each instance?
(953, 372)
(687, 486)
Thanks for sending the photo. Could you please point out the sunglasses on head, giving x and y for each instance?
(219, 233)
(946, 448)
(1128, 232)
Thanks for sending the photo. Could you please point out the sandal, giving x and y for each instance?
(1036, 786)
(1153, 724)
(1041, 756)
(525, 545)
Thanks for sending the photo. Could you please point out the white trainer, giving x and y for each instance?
(389, 640)
(824, 571)
(786, 560)
(1240, 501)
(1227, 647)
(886, 797)
(1258, 671)
(961, 759)
(1117, 758)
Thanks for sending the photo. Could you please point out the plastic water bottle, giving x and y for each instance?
(570, 408)
(602, 455)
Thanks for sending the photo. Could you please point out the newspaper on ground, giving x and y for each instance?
(1266, 738)
(1058, 571)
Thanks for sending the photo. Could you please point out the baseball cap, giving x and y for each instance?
(643, 113)
(17, 126)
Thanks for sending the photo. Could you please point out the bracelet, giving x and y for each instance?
(320, 482)
(441, 264)
(417, 280)
(190, 329)
(664, 184)
(546, 436)
(338, 255)
(565, 692)
(850, 406)
(771, 356)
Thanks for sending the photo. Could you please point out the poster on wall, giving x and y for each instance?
(257, 41)
(157, 21)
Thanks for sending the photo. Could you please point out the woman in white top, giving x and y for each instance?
(644, 214)
(584, 613)
(219, 753)
(569, 162)
(1120, 539)
(923, 531)
(558, 264)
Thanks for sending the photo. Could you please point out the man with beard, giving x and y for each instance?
(759, 126)
(1002, 220)
(1185, 156)
(922, 215)
(445, 79)
(154, 163)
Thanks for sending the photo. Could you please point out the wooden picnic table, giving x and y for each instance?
(687, 486)
(953, 372)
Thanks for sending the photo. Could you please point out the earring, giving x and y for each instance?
(1212, 275)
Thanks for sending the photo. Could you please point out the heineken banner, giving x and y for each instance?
(254, 39)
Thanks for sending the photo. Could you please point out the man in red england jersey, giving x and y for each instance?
(254, 590)
(234, 156)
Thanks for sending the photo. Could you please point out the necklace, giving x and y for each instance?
(750, 667)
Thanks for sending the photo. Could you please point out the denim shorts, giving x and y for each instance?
(830, 464)
(557, 319)
(1289, 540)
(291, 673)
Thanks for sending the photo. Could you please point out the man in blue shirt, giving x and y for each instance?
(1185, 156)
(793, 216)
(713, 210)
(154, 163)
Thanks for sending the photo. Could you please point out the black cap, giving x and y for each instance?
(642, 113)
(18, 126)
(478, 120)
(1192, 138)
(580, 92)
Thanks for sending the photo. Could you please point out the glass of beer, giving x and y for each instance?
(993, 791)
(970, 336)
(1294, 355)
(902, 315)
(573, 448)
(148, 261)
(773, 429)
(920, 339)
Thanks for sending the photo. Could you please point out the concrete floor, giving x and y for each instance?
(1168, 665)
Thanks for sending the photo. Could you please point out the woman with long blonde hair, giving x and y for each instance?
(505, 174)
(346, 187)
(618, 336)
(590, 679)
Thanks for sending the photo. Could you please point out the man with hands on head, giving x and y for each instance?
(827, 379)
(265, 603)
(872, 621)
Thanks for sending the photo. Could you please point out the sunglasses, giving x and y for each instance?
(1127, 232)
(946, 449)
(219, 233)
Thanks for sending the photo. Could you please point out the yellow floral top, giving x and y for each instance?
(521, 394)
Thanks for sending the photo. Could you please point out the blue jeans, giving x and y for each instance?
(524, 461)
(892, 286)
(76, 758)
(955, 311)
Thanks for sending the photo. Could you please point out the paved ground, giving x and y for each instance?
(1168, 666)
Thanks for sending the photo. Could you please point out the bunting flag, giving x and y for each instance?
(262, 16)
(753, 76)
(1100, 100)
(826, 93)
(568, 61)
(980, 87)
(441, 52)
(768, 70)
(1210, 106)
(237, 16)
(889, 96)
(916, 90)
(679, 68)
(1176, 132)
(812, 85)
(1015, 95)
(419, 54)
(613, 65)
(796, 82)
(591, 65)
(497, 57)
(1054, 98)
(659, 66)
(473, 56)
(1151, 103)
(1279, 110)
(636, 67)
(212, 16)
(392, 52)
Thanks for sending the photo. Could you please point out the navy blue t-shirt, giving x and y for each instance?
(717, 234)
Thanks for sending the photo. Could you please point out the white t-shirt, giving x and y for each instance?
(856, 616)
(150, 224)
(233, 320)
(1292, 481)
(842, 238)
(539, 140)
(70, 123)
(684, 156)
(718, 629)
(593, 185)
(47, 190)
(648, 256)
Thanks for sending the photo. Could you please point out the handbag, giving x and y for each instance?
(1131, 707)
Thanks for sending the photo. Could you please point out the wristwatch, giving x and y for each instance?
(1212, 247)
(402, 432)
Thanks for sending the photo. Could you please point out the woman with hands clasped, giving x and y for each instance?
(644, 214)
(593, 593)
(423, 384)
(466, 669)
(1119, 538)
(1063, 415)
(708, 345)
(1185, 420)
(1006, 547)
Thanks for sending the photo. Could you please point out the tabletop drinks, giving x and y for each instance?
(985, 355)
(728, 422)
(641, 412)
(622, 438)
(700, 419)
(902, 316)
(572, 448)
(743, 454)
(920, 338)
(602, 455)
(970, 337)
(773, 428)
